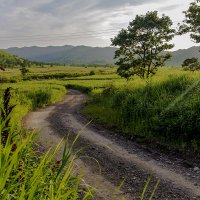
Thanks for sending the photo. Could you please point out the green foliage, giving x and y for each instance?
(167, 111)
(24, 71)
(24, 175)
(191, 64)
(39, 98)
(191, 25)
(31, 95)
(192, 21)
(146, 188)
(92, 73)
(7, 60)
(24, 67)
(84, 89)
(6, 108)
(141, 46)
(5, 114)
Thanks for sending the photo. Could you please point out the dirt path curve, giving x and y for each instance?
(118, 158)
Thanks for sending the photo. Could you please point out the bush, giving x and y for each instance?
(39, 98)
(92, 73)
(84, 89)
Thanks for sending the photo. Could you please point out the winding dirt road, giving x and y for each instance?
(108, 159)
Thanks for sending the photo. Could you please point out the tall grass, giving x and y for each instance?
(168, 111)
(25, 174)
(31, 95)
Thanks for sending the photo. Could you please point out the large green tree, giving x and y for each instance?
(191, 24)
(142, 45)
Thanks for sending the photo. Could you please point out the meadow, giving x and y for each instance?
(164, 109)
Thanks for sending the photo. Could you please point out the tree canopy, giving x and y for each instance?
(141, 45)
(191, 64)
(191, 23)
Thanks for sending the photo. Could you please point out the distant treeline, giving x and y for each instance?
(42, 64)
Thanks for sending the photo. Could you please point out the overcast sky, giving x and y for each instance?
(78, 22)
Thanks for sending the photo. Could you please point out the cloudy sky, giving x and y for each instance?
(78, 22)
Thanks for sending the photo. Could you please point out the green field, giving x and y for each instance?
(164, 109)
(54, 72)
(135, 108)
(43, 85)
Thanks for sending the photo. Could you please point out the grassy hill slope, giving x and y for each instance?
(8, 60)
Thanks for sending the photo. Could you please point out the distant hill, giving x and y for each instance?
(180, 55)
(87, 55)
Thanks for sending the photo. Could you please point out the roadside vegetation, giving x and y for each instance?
(165, 111)
(28, 174)
(30, 95)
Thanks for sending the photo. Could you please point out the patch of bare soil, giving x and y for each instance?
(107, 159)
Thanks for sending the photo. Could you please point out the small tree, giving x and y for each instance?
(191, 64)
(142, 44)
(24, 67)
(92, 72)
(24, 71)
(191, 24)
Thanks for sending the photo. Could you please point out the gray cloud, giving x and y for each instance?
(38, 22)
(64, 7)
(170, 7)
(69, 6)
(106, 4)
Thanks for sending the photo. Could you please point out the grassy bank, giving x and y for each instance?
(29, 95)
(24, 172)
(165, 110)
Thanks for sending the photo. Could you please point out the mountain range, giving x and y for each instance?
(88, 55)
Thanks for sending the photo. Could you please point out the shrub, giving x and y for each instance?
(92, 73)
